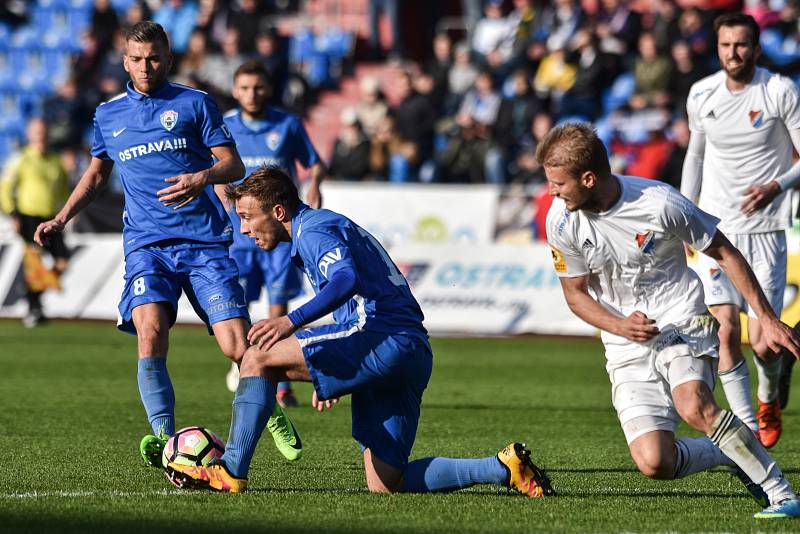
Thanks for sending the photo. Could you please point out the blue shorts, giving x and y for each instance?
(272, 269)
(385, 374)
(161, 271)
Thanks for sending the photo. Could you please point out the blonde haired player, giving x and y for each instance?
(617, 244)
(744, 122)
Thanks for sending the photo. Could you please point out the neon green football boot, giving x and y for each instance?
(287, 440)
(151, 447)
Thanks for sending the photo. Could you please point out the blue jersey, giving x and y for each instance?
(279, 141)
(153, 137)
(324, 241)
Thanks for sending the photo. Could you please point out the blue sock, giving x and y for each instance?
(447, 474)
(157, 394)
(252, 407)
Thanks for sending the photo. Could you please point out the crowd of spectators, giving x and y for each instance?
(474, 108)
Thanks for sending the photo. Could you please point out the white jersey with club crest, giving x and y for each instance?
(747, 144)
(633, 253)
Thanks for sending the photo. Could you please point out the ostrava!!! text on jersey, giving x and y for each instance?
(149, 148)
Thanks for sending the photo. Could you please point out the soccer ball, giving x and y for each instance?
(193, 446)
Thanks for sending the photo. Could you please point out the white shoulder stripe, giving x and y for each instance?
(187, 87)
(117, 97)
(231, 113)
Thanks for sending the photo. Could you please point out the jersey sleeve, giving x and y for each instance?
(685, 220)
(790, 108)
(692, 111)
(98, 143)
(327, 251)
(213, 129)
(305, 153)
(568, 260)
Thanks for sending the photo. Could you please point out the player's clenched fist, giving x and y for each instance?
(637, 327)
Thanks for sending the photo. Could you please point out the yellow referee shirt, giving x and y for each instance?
(34, 184)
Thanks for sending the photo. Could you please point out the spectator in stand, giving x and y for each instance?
(482, 102)
(527, 21)
(463, 160)
(270, 53)
(66, 114)
(86, 63)
(526, 170)
(212, 19)
(671, 170)
(438, 67)
(33, 188)
(390, 154)
(514, 119)
(567, 17)
(494, 34)
(664, 26)
(461, 77)
(652, 73)
(594, 72)
(391, 8)
(137, 12)
(218, 70)
(105, 23)
(414, 120)
(692, 30)
(554, 77)
(111, 76)
(372, 110)
(178, 18)
(617, 28)
(685, 72)
(247, 17)
(194, 60)
(350, 159)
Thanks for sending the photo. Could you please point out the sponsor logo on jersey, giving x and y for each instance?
(645, 241)
(756, 118)
(273, 140)
(156, 146)
(558, 260)
(587, 245)
(711, 115)
(214, 298)
(563, 223)
(169, 119)
(225, 130)
(329, 259)
(259, 161)
(715, 273)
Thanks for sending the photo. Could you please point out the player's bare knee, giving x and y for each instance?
(655, 464)
(152, 338)
(698, 414)
(234, 349)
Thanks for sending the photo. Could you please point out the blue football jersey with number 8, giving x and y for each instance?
(324, 241)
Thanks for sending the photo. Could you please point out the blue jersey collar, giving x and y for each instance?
(297, 221)
(136, 95)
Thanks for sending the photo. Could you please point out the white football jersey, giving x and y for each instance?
(633, 253)
(747, 144)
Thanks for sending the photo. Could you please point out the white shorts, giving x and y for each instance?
(641, 388)
(766, 254)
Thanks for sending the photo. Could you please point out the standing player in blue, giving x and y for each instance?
(176, 233)
(377, 351)
(267, 136)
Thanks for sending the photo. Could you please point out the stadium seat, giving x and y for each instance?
(619, 93)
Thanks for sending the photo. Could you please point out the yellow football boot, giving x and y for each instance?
(523, 475)
(213, 477)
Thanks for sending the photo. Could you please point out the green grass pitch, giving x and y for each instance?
(71, 420)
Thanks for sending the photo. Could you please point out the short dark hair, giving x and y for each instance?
(576, 148)
(147, 31)
(252, 67)
(739, 19)
(270, 186)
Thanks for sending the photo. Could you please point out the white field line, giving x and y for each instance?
(102, 494)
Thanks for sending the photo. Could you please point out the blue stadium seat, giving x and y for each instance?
(12, 116)
(619, 93)
(122, 5)
(301, 46)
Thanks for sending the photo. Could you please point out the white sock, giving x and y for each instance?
(769, 374)
(697, 454)
(741, 446)
(736, 384)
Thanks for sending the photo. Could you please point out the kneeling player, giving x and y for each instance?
(377, 351)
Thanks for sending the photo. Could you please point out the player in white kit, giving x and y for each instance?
(744, 122)
(617, 244)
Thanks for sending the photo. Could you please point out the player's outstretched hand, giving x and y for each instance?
(320, 405)
(757, 197)
(264, 334)
(46, 230)
(779, 335)
(637, 327)
(185, 188)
